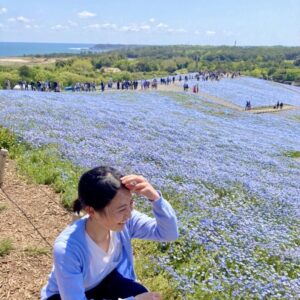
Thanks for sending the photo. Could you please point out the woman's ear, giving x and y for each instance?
(89, 210)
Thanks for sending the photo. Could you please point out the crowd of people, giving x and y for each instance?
(48, 86)
(144, 84)
(41, 86)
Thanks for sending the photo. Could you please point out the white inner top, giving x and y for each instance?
(101, 263)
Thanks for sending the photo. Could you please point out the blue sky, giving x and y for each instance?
(218, 22)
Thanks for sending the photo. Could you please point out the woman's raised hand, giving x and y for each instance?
(140, 186)
(148, 296)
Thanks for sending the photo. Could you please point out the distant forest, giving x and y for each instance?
(278, 63)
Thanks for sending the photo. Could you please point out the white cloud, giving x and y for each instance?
(1, 25)
(145, 27)
(3, 10)
(28, 26)
(22, 19)
(172, 30)
(109, 26)
(59, 27)
(93, 26)
(105, 26)
(197, 32)
(162, 25)
(132, 28)
(124, 28)
(85, 14)
(152, 20)
(210, 32)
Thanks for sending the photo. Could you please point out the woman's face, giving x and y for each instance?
(118, 211)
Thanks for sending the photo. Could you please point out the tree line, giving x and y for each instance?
(278, 63)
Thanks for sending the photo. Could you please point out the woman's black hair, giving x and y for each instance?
(97, 187)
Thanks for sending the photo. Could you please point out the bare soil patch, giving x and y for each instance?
(25, 269)
(12, 61)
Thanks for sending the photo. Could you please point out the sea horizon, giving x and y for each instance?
(15, 49)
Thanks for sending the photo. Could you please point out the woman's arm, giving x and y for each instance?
(161, 228)
(164, 226)
(68, 273)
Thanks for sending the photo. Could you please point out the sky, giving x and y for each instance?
(156, 22)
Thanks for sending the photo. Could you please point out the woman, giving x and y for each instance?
(93, 256)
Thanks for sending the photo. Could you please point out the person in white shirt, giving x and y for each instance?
(93, 256)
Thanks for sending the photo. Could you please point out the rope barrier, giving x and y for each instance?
(28, 219)
(2, 165)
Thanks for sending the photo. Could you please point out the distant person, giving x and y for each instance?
(185, 87)
(281, 105)
(93, 257)
(248, 105)
(7, 84)
(102, 86)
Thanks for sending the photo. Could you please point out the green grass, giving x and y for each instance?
(2, 207)
(297, 118)
(5, 247)
(43, 166)
(9, 142)
(151, 276)
(292, 154)
(36, 251)
(281, 266)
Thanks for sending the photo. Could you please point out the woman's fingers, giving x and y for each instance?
(132, 178)
(140, 186)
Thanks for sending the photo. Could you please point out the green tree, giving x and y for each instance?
(24, 72)
(297, 61)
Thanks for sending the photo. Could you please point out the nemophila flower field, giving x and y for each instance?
(259, 92)
(226, 172)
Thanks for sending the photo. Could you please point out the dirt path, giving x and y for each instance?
(176, 87)
(262, 110)
(25, 269)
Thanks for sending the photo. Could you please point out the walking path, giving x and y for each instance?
(25, 269)
(176, 87)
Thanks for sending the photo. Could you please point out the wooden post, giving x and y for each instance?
(3, 155)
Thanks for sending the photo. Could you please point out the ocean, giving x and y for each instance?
(21, 49)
